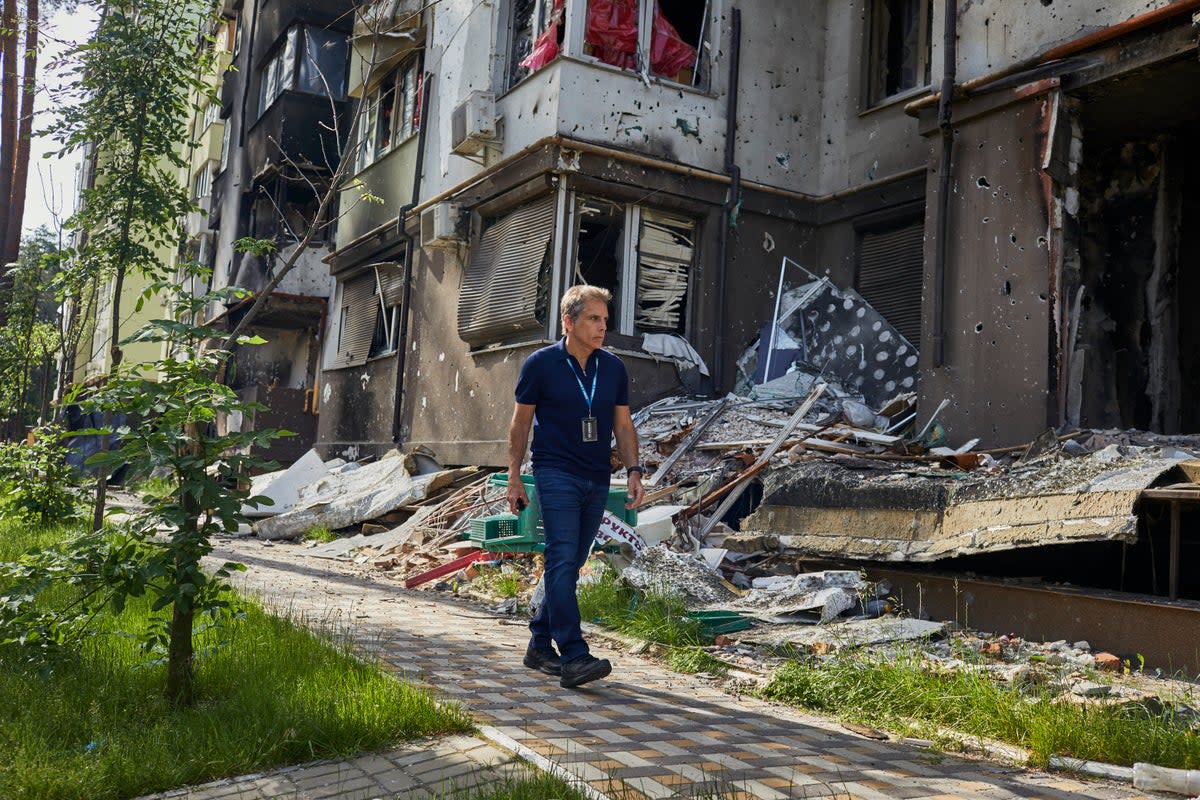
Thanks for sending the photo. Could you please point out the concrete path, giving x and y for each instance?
(644, 732)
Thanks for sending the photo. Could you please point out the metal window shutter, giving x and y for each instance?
(391, 283)
(499, 295)
(890, 276)
(361, 305)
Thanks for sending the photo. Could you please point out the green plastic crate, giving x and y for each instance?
(531, 517)
(497, 526)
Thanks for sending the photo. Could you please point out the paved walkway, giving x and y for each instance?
(644, 732)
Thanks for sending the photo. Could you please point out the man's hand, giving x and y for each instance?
(518, 501)
(635, 491)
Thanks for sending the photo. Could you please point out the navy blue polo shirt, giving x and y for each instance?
(550, 381)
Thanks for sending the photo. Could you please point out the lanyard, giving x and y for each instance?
(575, 371)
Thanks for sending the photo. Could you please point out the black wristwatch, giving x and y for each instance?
(638, 468)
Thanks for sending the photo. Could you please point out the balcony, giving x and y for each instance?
(275, 18)
(301, 127)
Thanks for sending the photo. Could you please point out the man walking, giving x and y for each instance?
(576, 397)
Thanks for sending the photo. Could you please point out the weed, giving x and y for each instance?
(899, 689)
(691, 660)
(530, 786)
(320, 534)
(654, 617)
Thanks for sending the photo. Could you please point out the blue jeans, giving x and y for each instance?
(572, 508)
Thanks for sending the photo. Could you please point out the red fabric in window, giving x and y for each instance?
(668, 52)
(612, 31)
(545, 48)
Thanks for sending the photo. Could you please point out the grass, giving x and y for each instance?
(499, 581)
(659, 618)
(269, 693)
(895, 690)
(532, 786)
(690, 660)
(320, 534)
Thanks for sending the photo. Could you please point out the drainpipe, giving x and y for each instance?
(409, 245)
(735, 192)
(949, 57)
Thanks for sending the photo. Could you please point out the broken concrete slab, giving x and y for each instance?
(824, 508)
(350, 496)
(284, 486)
(853, 633)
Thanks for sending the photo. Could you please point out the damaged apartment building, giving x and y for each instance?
(672, 152)
(676, 152)
(283, 115)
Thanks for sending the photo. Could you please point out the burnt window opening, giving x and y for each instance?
(393, 113)
(309, 60)
(643, 256)
(898, 53)
(665, 38)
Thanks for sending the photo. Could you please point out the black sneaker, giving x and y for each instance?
(580, 670)
(544, 659)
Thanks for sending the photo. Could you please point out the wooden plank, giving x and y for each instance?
(687, 444)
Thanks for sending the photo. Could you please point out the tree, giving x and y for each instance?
(136, 80)
(31, 336)
(17, 90)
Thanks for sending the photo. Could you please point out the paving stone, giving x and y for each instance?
(643, 733)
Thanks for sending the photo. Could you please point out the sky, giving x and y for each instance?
(51, 186)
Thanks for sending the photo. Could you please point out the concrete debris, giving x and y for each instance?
(283, 487)
(826, 639)
(346, 497)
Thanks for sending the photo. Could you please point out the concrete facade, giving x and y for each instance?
(832, 144)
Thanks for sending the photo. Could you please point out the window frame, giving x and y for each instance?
(701, 68)
(405, 107)
(625, 299)
(877, 55)
(293, 48)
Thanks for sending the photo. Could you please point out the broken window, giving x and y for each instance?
(644, 257)
(899, 42)
(358, 308)
(656, 37)
(889, 274)
(310, 60)
(393, 113)
(389, 290)
(505, 284)
(535, 36)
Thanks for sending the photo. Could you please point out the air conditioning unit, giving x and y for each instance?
(473, 123)
(441, 226)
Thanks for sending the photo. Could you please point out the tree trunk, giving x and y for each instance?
(8, 135)
(20, 169)
(180, 656)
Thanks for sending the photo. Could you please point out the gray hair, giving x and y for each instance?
(575, 298)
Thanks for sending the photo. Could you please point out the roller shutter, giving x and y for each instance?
(889, 276)
(500, 288)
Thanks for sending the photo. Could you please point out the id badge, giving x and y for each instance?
(591, 432)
